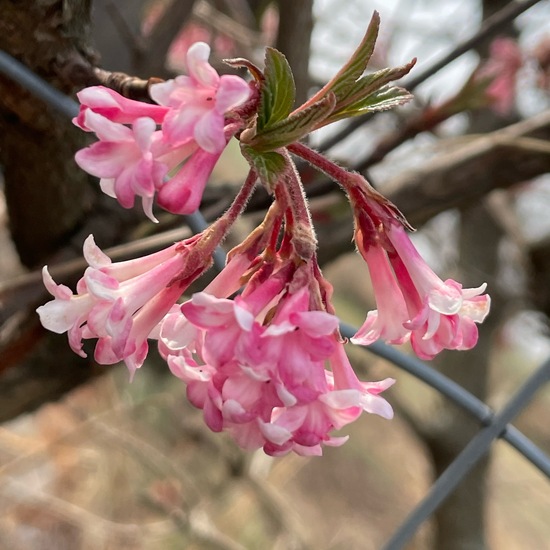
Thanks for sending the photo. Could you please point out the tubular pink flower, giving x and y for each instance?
(266, 382)
(440, 311)
(385, 323)
(182, 193)
(119, 304)
(135, 162)
(413, 302)
(198, 102)
(125, 159)
(113, 106)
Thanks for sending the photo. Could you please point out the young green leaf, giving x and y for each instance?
(369, 83)
(270, 165)
(354, 68)
(383, 99)
(277, 91)
(294, 127)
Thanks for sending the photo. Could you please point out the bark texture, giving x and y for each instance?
(47, 195)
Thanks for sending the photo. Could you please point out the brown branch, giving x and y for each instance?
(495, 160)
(153, 58)
(223, 23)
(126, 85)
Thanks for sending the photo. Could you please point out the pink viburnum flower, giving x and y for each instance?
(198, 102)
(120, 304)
(135, 162)
(502, 68)
(256, 365)
(115, 107)
(135, 158)
(413, 302)
(126, 159)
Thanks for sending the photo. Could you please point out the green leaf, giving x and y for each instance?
(358, 62)
(369, 83)
(383, 99)
(269, 165)
(346, 77)
(295, 127)
(277, 91)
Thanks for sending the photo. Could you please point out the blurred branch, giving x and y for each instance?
(491, 26)
(151, 59)
(279, 511)
(223, 23)
(495, 160)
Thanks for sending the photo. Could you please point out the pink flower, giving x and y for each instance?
(386, 322)
(176, 161)
(182, 193)
(116, 108)
(262, 377)
(119, 304)
(413, 302)
(443, 315)
(502, 68)
(135, 162)
(198, 102)
(125, 159)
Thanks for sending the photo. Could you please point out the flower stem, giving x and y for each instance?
(290, 192)
(215, 234)
(361, 193)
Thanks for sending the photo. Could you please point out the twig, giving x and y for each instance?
(206, 13)
(488, 28)
(128, 86)
(469, 172)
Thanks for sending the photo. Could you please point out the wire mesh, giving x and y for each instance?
(494, 425)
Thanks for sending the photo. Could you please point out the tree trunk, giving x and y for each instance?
(460, 520)
(46, 194)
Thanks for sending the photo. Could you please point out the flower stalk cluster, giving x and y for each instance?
(259, 348)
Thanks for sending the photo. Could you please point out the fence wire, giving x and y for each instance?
(495, 425)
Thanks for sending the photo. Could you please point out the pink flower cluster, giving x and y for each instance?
(119, 304)
(257, 366)
(269, 366)
(502, 68)
(413, 302)
(134, 158)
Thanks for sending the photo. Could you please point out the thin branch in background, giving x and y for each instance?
(224, 24)
(468, 172)
(240, 11)
(18, 491)
(488, 28)
(487, 162)
(134, 42)
(279, 511)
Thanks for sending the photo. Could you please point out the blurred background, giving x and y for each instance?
(89, 461)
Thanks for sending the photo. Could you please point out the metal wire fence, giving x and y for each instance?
(494, 425)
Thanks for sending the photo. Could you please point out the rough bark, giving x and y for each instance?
(46, 194)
